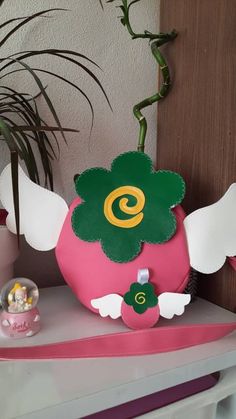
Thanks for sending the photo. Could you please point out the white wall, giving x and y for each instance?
(129, 75)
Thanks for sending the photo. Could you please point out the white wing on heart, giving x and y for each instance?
(42, 212)
(109, 305)
(171, 304)
(211, 233)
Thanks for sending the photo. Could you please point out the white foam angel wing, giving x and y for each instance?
(109, 305)
(42, 212)
(172, 304)
(211, 233)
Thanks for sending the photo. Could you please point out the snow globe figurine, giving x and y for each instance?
(20, 316)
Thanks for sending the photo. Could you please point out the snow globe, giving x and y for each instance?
(20, 317)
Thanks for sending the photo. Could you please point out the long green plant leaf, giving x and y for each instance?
(6, 132)
(27, 155)
(8, 22)
(39, 137)
(42, 137)
(42, 128)
(24, 150)
(27, 20)
(27, 97)
(44, 94)
(30, 114)
(31, 117)
(60, 78)
(58, 54)
(13, 109)
(19, 135)
(26, 54)
(15, 189)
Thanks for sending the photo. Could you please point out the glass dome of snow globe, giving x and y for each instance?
(19, 295)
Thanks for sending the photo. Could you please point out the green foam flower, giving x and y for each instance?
(141, 297)
(127, 205)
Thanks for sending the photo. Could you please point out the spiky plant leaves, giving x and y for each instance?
(16, 106)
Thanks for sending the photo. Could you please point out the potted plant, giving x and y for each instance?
(22, 127)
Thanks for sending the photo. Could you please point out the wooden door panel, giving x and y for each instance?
(197, 121)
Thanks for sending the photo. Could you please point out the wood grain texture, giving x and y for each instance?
(197, 121)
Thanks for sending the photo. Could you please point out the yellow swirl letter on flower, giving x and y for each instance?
(140, 298)
(134, 210)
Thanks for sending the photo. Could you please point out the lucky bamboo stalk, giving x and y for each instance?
(156, 41)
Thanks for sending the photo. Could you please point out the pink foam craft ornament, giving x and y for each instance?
(127, 229)
(114, 277)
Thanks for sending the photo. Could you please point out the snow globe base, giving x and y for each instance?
(20, 325)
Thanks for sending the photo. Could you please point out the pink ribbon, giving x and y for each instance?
(138, 342)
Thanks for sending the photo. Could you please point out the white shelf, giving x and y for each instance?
(69, 389)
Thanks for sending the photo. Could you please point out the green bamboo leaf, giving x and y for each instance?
(133, 2)
(122, 9)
